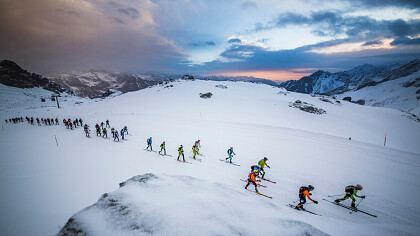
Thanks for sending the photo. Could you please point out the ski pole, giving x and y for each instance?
(359, 203)
(334, 195)
(56, 139)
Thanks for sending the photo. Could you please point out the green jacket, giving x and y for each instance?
(262, 163)
(351, 189)
(181, 150)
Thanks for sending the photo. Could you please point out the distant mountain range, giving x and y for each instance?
(395, 86)
(326, 83)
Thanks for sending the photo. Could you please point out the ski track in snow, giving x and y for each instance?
(44, 185)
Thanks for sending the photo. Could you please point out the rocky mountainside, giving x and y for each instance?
(99, 83)
(326, 83)
(13, 75)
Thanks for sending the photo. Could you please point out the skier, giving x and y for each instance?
(181, 152)
(87, 130)
(113, 132)
(195, 150)
(98, 130)
(252, 180)
(262, 163)
(197, 143)
(56, 121)
(257, 168)
(107, 124)
(104, 133)
(81, 121)
(162, 148)
(102, 124)
(149, 144)
(351, 192)
(230, 153)
(116, 136)
(122, 134)
(38, 121)
(125, 129)
(303, 193)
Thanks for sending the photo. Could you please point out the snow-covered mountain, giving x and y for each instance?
(367, 84)
(55, 179)
(99, 83)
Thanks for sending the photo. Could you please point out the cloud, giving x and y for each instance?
(234, 40)
(374, 42)
(328, 23)
(203, 44)
(249, 4)
(130, 12)
(406, 41)
(47, 36)
(410, 4)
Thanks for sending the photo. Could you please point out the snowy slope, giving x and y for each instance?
(45, 184)
(394, 94)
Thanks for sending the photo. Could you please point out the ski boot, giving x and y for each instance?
(337, 201)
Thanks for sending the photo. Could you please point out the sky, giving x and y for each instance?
(272, 39)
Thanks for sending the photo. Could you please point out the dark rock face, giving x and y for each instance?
(306, 107)
(13, 75)
(206, 95)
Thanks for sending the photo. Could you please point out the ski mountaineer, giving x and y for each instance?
(351, 192)
(181, 152)
(107, 124)
(125, 129)
(162, 148)
(257, 168)
(104, 133)
(198, 145)
(87, 130)
(303, 193)
(122, 134)
(195, 150)
(230, 153)
(116, 136)
(113, 132)
(149, 144)
(252, 180)
(262, 163)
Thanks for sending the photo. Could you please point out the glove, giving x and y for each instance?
(316, 202)
(258, 180)
(363, 196)
(310, 193)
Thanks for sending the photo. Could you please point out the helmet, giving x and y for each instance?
(150, 137)
(359, 187)
(310, 187)
(181, 145)
(265, 158)
(231, 147)
(163, 141)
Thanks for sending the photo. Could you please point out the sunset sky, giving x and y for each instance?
(271, 39)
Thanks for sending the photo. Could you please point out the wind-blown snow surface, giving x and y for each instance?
(44, 185)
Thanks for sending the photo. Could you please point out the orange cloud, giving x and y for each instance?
(275, 75)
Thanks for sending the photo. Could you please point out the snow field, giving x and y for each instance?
(41, 179)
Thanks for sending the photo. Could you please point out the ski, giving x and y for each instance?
(197, 159)
(302, 209)
(148, 150)
(232, 163)
(268, 180)
(259, 185)
(350, 208)
(164, 155)
(183, 161)
(260, 194)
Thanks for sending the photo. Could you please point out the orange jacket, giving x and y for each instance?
(251, 176)
(306, 193)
